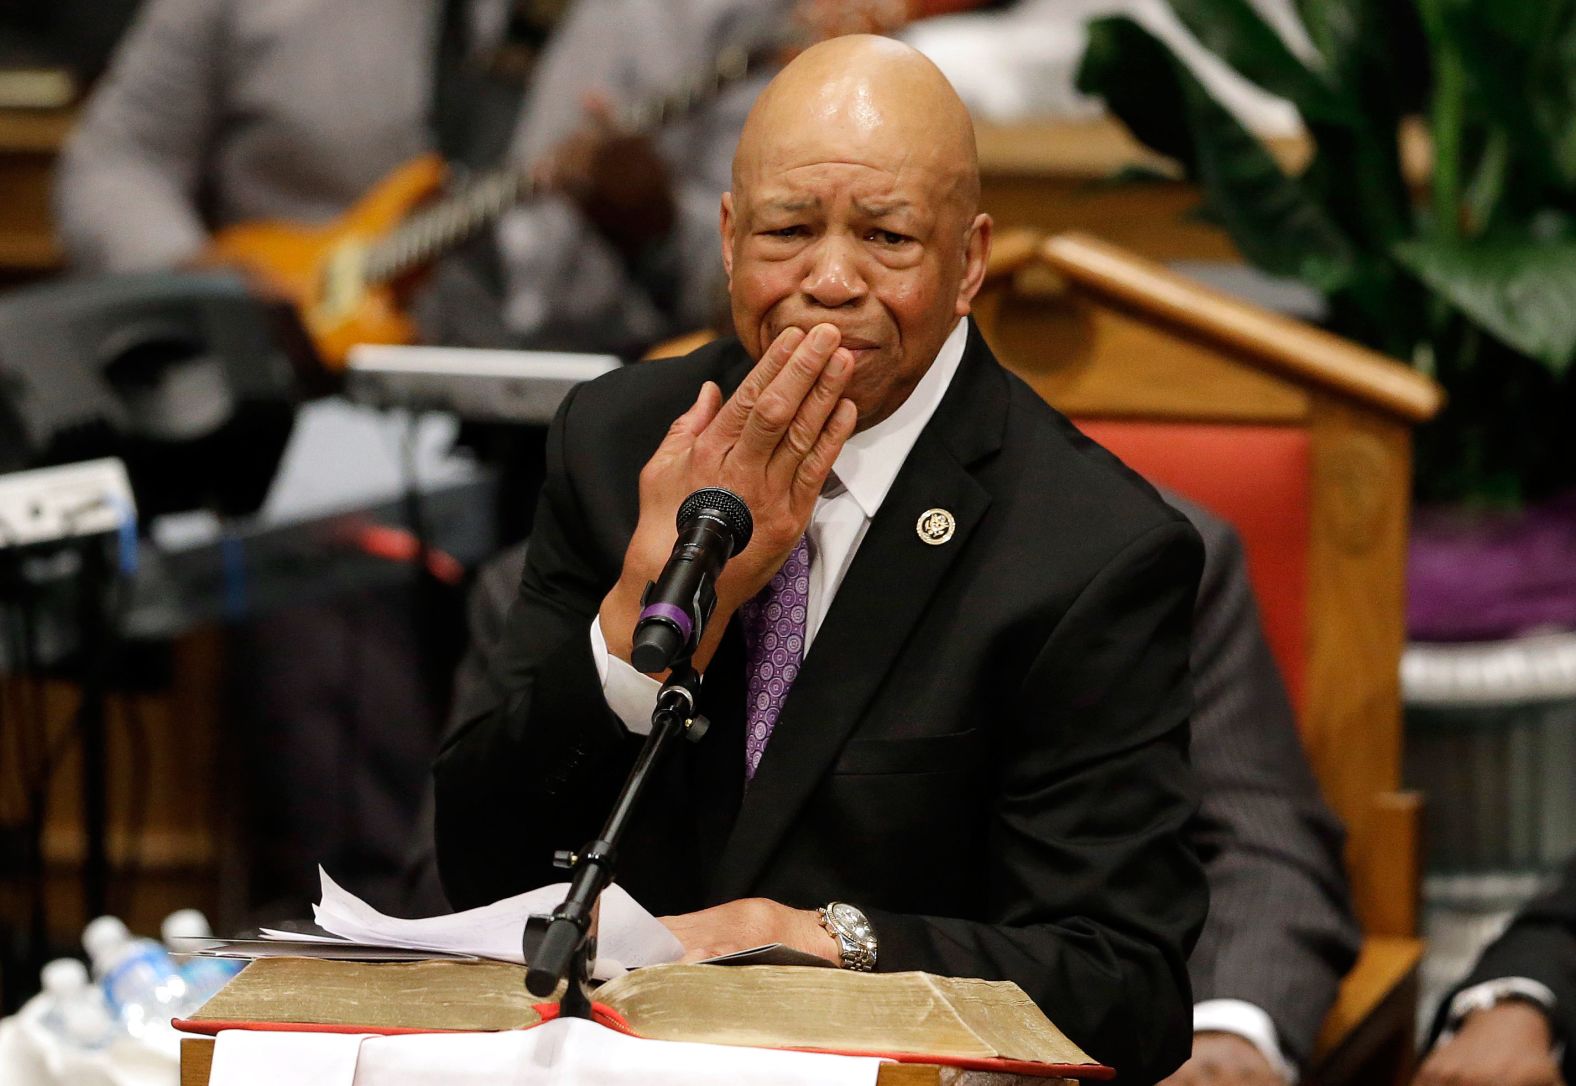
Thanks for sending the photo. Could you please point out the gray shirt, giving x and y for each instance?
(221, 111)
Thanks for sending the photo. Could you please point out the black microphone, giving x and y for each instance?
(714, 525)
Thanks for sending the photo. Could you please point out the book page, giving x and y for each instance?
(794, 1007)
(421, 995)
(1003, 1016)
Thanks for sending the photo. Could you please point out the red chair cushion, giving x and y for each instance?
(1257, 478)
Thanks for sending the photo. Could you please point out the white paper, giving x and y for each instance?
(560, 1051)
(269, 1058)
(627, 935)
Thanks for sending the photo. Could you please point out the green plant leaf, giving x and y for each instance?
(1135, 75)
(1234, 31)
(1520, 292)
(1270, 216)
(1520, 60)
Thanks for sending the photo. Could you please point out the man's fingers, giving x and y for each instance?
(817, 408)
(817, 465)
(731, 419)
(699, 415)
(779, 404)
(683, 431)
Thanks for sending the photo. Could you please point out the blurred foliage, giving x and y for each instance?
(1473, 279)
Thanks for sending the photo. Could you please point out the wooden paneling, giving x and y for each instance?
(1254, 338)
(29, 143)
(1356, 623)
(1367, 1037)
(1061, 345)
(1059, 176)
(164, 791)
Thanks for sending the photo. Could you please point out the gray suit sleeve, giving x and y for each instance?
(1280, 933)
(126, 195)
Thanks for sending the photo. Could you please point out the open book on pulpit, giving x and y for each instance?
(911, 1017)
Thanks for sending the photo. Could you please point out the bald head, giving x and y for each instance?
(863, 99)
(855, 203)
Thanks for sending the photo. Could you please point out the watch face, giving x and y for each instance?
(852, 923)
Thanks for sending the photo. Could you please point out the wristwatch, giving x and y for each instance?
(856, 939)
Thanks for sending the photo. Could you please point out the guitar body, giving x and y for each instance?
(320, 268)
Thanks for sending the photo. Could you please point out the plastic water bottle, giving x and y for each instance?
(140, 981)
(75, 1013)
(203, 975)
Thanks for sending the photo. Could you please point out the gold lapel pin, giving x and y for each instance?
(936, 526)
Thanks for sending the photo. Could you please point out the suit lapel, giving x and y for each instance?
(877, 609)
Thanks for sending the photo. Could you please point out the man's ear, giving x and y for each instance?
(976, 256)
(727, 235)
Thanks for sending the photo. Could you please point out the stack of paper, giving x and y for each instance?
(627, 935)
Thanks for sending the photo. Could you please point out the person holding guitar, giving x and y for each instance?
(244, 135)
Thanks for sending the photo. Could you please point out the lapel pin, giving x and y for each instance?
(935, 526)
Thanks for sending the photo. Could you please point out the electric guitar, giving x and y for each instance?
(346, 277)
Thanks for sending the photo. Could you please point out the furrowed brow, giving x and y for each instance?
(877, 210)
(792, 206)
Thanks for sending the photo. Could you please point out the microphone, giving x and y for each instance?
(714, 525)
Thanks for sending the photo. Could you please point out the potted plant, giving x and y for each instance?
(1472, 280)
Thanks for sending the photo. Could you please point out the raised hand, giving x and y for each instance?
(772, 443)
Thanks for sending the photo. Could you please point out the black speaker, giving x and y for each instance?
(187, 377)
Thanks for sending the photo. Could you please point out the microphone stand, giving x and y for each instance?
(562, 946)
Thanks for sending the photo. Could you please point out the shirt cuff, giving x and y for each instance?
(631, 695)
(1481, 997)
(1250, 1023)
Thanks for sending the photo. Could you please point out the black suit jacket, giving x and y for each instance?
(1540, 944)
(985, 749)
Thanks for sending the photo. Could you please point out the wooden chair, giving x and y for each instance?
(1303, 442)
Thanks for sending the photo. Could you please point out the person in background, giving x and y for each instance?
(1512, 1021)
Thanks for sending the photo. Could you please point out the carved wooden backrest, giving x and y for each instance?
(1164, 371)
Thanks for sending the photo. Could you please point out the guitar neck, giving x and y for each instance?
(432, 231)
(429, 233)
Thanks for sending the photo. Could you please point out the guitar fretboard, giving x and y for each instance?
(434, 230)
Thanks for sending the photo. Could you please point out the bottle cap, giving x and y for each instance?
(103, 936)
(185, 924)
(64, 975)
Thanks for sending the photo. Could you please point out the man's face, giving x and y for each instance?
(877, 244)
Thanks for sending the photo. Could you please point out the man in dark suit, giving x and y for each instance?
(1512, 1022)
(985, 752)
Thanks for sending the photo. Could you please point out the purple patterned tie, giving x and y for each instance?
(774, 626)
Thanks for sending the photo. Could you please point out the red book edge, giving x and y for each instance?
(607, 1016)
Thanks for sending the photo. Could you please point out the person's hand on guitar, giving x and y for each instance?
(616, 178)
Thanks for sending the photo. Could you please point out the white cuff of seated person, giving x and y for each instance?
(1249, 1022)
(630, 694)
(1491, 993)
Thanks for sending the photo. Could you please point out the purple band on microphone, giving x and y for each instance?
(672, 614)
